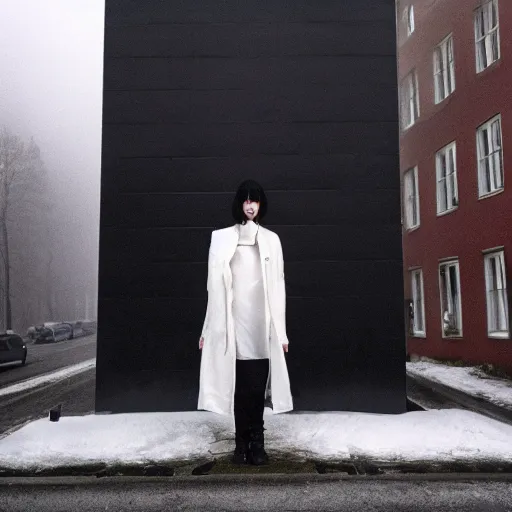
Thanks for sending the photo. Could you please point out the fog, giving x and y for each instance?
(51, 59)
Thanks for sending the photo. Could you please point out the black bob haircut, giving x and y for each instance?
(253, 190)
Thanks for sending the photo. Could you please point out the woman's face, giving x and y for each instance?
(251, 209)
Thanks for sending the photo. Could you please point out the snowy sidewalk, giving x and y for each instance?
(174, 439)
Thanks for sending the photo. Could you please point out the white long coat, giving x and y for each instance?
(218, 358)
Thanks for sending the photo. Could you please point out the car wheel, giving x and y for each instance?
(24, 360)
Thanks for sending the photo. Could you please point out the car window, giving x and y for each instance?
(16, 342)
(3, 345)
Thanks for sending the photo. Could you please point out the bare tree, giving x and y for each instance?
(23, 211)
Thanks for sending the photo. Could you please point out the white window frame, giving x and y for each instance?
(444, 69)
(410, 20)
(487, 37)
(489, 144)
(446, 179)
(410, 102)
(418, 303)
(498, 322)
(451, 312)
(411, 199)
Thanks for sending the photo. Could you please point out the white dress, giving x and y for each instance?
(249, 304)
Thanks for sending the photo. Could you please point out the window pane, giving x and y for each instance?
(479, 24)
(454, 297)
(437, 60)
(486, 18)
(414, 194)
(496, 134)
(493, 15)
(497, 300)
(418, 303)
(442, 165)
(482, 55)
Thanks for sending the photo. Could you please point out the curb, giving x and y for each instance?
(269, 479)
(222, 466)
(473, 403)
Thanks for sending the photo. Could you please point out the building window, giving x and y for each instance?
(410, 104)
(444, 69)
(410, 19)
(418, 303)
(497, 301)
(490, 157)
(446, 170)
(487, 35)
(411, 199)
(449, 286)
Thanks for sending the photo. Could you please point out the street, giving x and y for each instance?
(75, 393)
(49, 357)
(274, 492)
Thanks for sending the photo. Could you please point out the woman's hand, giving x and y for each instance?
(285, 347)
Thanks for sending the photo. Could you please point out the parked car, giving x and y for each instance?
(12, 349)
(52, 332)
(89, 326)
(77, 328)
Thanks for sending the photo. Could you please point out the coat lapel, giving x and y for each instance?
(229, 248)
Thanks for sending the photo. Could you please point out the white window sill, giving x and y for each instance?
(413, 228)
(446, 212)
(492, 194)
(499, 335)
(453, 337)
(418, 335)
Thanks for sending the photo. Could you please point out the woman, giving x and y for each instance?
(244, 339)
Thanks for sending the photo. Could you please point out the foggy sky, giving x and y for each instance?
(51, 67)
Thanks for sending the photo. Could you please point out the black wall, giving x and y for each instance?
(300, 95)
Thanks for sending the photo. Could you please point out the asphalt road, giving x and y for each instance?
(306, 493)
(76, 393)
(428, 399)
(49, 357)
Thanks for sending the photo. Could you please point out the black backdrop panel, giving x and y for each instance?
(300, 95)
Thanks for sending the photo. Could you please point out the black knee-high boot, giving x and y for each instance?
(256, 453)
(241, 416)
(251, 379)
(241, 434)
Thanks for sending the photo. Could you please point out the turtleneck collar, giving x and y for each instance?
(247, 233)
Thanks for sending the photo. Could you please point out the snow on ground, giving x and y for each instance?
(437, 435)
(468, 380)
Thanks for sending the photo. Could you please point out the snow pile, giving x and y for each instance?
(446, 435)
(495, 390)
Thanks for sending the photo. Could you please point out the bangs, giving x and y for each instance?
(253, 194)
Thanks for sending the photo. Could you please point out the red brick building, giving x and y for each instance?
(455, 75)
